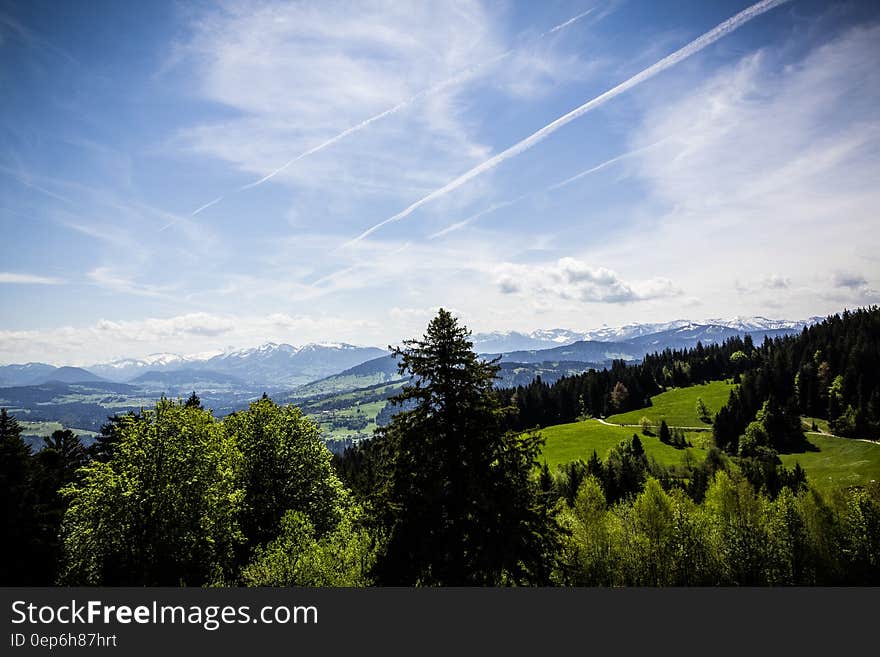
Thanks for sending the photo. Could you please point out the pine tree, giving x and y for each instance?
(595, 467)
(17, 504)
(665, 435)
(463, 505)
(55, 466)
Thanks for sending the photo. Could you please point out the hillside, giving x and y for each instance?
(70, 375)
(186, 379)
(577, 440)
(372, 372)
(679, 406)
(837, 462)
(33, 374)
(583, 351)
(25, 375)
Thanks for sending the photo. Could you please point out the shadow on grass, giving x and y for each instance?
(802, 447)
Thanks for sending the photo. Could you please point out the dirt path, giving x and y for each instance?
(612, 424)
(831, 435)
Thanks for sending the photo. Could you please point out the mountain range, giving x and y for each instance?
(330, 379)
(507, 341)
(283, 366)
(555, 353)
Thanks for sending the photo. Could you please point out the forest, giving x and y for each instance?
(453, 491)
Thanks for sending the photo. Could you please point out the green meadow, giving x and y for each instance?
(679, 406)
(569, 442)
(839, 462)
(836, 463)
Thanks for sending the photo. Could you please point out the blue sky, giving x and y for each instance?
(740, 180)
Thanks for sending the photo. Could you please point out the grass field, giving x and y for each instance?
(569, 442)
(839, 461)
(33, 433)
(47, 428)
(39, 428)
(332, 422)
(679, 406)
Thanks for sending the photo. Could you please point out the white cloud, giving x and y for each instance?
(768, 282)
(28, 279)
(848, 280)
(776, 282)
(574, 280)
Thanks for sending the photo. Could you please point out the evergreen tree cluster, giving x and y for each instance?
(33, 507)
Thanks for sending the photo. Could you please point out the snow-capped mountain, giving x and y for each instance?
(126, 369)
(630, 331)
(762, 323)
(499, 341)
(273, 365)
(709, 330)
(270, 364)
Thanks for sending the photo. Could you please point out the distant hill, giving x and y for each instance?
(687, 337)
(33, 374)
(83, 405)
(519, 374)
(186, 378)
(384, 370)
(378, 370)
(24, 375)
(520, 367)
(69, 375)
(596, 353)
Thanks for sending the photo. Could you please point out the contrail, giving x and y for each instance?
(477, 215)
(207, 205)
(599, 167)
(723, 29)
(503, 204)
(425, 93)
(564, 25)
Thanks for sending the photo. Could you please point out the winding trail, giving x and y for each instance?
(613, 424)
(820, 432)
